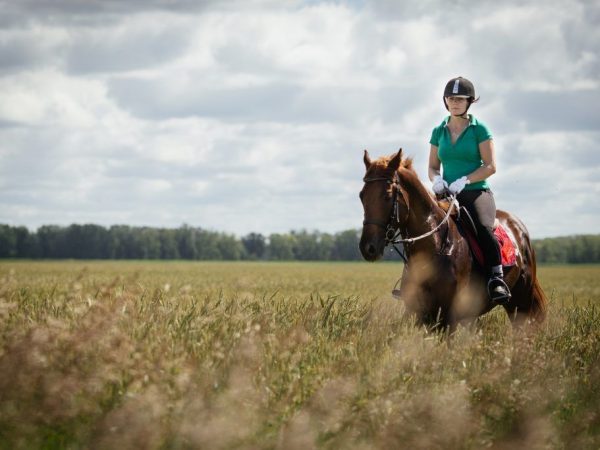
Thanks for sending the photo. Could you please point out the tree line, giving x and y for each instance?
(126, 242)
(192, 243)
(568, 249)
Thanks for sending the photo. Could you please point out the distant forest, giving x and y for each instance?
(191, 243)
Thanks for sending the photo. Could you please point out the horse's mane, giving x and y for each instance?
(379, 166)
(408, 176)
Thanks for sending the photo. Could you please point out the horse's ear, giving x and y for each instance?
(367, 160)
(395, 161)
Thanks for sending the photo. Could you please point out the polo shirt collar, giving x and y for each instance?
(472, 120)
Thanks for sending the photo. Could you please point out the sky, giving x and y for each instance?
(252, 116)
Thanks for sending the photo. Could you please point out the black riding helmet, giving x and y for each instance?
(460, 87)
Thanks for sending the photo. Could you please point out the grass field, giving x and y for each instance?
(185, 355)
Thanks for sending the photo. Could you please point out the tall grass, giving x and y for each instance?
(250, 355)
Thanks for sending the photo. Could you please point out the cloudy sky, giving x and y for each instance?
(244, 116)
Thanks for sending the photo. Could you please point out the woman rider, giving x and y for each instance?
(463, 146)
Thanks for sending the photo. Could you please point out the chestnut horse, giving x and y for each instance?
(441, 282)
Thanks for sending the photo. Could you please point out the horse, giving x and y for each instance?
(441, 283)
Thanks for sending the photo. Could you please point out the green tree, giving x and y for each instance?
(186, 242)
(281, 247)
(8, 242)
(121, 238)
(52, 240)
(148, 243)
(326, 247)
(345, 246)
(255, 245)
(27, 243)
(230, 248)
(305, 246)
(88, 241)
(207, 246)
(168, 244)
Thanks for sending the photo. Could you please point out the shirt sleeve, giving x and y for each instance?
(482, 132)
(435, 137)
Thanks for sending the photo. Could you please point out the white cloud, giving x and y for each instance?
(48, 97)
(133, 43)
(550, 180)
(245, 117)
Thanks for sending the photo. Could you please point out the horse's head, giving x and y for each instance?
(378, 196)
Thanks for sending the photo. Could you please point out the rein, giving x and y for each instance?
(392, 234)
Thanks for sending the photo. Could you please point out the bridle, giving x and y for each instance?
(392, 227)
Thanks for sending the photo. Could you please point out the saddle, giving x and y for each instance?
(466, 227)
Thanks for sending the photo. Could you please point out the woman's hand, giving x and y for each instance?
(439, 185)
(457, 186)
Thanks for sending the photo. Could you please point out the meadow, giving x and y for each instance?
(194, 355)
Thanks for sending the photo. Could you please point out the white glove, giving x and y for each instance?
(439, 185)
(457, 186)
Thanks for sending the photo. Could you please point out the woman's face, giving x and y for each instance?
(456, 105)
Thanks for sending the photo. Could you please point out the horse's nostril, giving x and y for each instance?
(371, 249)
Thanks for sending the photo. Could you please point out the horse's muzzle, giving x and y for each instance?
(371, 247)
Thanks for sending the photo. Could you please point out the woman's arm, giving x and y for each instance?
(434, 163)
(488, 156)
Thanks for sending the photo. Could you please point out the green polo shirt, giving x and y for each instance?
(462, 157)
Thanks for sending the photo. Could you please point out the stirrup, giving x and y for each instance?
(396, 292)
(498, 291)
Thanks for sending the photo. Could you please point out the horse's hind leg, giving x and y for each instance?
(516, 308)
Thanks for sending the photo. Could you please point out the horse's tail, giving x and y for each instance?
(539, 302)
(530, 301)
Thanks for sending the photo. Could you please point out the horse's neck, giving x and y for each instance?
(424, 215)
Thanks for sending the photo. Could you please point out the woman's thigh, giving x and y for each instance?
(481, 206)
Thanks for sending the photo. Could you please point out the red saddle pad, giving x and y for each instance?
(507, 247)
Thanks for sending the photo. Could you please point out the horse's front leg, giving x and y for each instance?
(415, 294)
(469, 302)
(427, 291)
